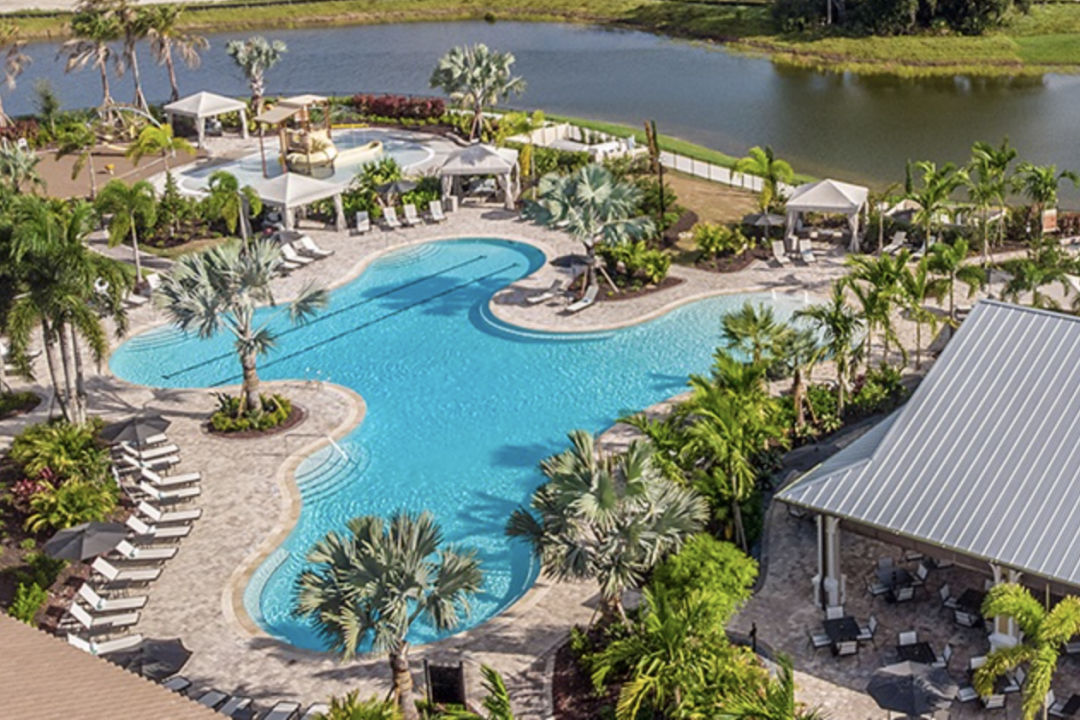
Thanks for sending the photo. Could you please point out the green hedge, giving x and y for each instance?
(275, 411)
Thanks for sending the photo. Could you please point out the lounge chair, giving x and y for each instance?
(363, 222)
(150, 453)
(947, 600)
(411, 218)
(779, 253)
(436, 210)
(917, 255)
(162, 517)
(177, 683)
(806, 252)
(237, 706)
(391, 219)
(899, 239)
(160, 495)
(289, 253)
(105, 646)
(586, 301)
(169, 481)
(156, 463)
(284, 710)
(212, 698)
(308, 247)
(315, 711)
(121, 604)
(551, 291)
(93, 622)
(152, 532)
(127, 551)
(113, 574)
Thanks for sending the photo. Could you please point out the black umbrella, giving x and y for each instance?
(397, 187)
(911, 688)
(135, 430)
(85, 541)
(153, 659)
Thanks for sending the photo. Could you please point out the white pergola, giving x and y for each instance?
(203, 105)
(290, 191)
(830, 197)
(502, 163)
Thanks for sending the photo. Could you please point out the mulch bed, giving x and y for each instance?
(733, 263)
(685, 223)
(629, 294)
(295, 418)
(572, 690)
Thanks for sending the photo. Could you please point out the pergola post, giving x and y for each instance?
(200, 128)
(243, 123)
(339, 213)
(1005, 632)
(829, 581)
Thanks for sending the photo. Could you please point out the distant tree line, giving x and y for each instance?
(896, 17)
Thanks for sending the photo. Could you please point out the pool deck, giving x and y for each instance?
(249, 499)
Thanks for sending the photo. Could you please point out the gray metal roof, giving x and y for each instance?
(984, 459)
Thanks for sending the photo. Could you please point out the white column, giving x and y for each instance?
(339, 211)
(829, 581)
(243, 124)
(1004, 632)
(200, 126)
(819, 526)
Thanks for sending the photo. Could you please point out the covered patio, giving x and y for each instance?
(482, 160)
(203, 105)
(291, 192)
(829, 197)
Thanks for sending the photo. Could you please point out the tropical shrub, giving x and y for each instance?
(714, 240)
(878, 391)
(229, 417)
(427, 188)
(397, 107)
(546, 160)
(635, 263)
(722, 574)
(67, 450)
(22, 491)
(28, 600)
(40, 569)
(14, 402)
(72, 503)
(21, 128)
(351, 707)
(649, 204)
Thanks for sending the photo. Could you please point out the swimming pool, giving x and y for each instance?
(248, 169)
(460, 407)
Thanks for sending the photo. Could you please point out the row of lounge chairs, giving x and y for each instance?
(410, 217)
(242, 707)
(803, 251)
(299, 250)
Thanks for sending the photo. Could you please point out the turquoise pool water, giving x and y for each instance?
(460, 407)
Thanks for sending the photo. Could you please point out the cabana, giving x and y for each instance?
(482, 160)
(203, 105)
(830, 197)
(290, 191)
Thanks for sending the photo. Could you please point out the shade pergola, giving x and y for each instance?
(979, 467)
(203, 105)
(502, 163)
(830, 197)
(290, 191)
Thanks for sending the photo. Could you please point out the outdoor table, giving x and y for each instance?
(842, 630)
(919, 652)
(893, 577)
(971, 601)
(1071, 707)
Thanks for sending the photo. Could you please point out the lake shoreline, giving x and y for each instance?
(1027, 48)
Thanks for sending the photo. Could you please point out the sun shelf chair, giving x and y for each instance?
(289, 253)
(779, 253)
(411, 218)
(101, 604)
(363, 222)
(114, 574)
(127, 551)
(308, 247)
(105, 646)
(390, 218)
(547, 294)
(162, 517)
(436, 209)
(152, 532)
(586, 301)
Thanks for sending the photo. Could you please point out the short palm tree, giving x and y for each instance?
(256, 56)
(917, 288)
(841, 331)
(609, 518)
(990, 168)
(474, 76)
(1045, 633)
(14, 60)
(378, 579)
(158, 139)
(131, 207)
(220, 289)
(232, 204)
(875, 283)
(166, 35)
(772, 171)
(932, 194)
(947, 262)
(79, 141)
(1031, 276)
(775, 701)
(800, 351)
(93, 31)
(754, 331)
(1040, 184)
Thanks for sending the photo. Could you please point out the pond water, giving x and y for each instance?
(854, 127)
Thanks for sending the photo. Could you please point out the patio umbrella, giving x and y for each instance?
(397, 187)
(153, 659)
(85, 541)
(767, 221)
(135, 430)
(911, 688)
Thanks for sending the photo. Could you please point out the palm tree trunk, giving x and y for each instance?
(797, 399)
(133, 58)
(106, 94)
(69, 374)
(478, 119)
(841, 387)
(80, 403)
(403, 684)
(51, 361)
(135, 249)
(740, 531)
(92, 171)
(918, 344)
(250, 387)
(3, 116)
(612, 610)
(174, 95)
(952, 297)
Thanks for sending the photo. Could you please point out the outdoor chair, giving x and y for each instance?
(1072, 647)
(289, 253)
(160, 495)
(942, 564)
(159, 463)
(93, 622)
(848, 647)
(212, 698)
(114, 574)
(818, 640)
(315, 711)
(876, 589)
(237, 706)
(908, 637)
(105, 646)
(1015, 681)
(944, 658)
(918, 254)
(867, 633)
(435, 208)
(308, 247)
(899, 238)
(177, 683)
(152, 532)
(127, 551)
(976, 662)
(780, 253)
(993, 702)
(884, 562)
(806, 252)
(88, 595)
(169, 481)
(966, 694)
(965, 619)
(912, 556)
(904, 594)
(363, 222)
(1054, 706)
(411, 216)
(947, 600)
(390, 218)
(160, 517)
(586, 301)
(921, 573)
(834, 612)
(150, 453)
(284, 710)
(547, 294)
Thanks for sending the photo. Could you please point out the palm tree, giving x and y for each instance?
(220, 288)
(754, 331)
(991, 164)
(256, 56)
(592, 206)
(131, 21)
(875, 282)
(496, 702)
(771, 170)
(166, 35)
(474, 76)
(230, 203)
(840, 329)
(801, 351)
(15, 60)
(775, 701)
(131, 207)
(947, 261)
(154, 139)
(79, 140)
(1028, 275)
(932, 197)
(608, 518)
(18, 168)
(917, 286)
(1040, 184)
(380, 578)
(94, 30)
(1044, 634)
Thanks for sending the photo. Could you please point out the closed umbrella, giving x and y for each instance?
(911, 688)
(137, 430)
(85, 541)
(153, 659)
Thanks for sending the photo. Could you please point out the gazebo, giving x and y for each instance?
(830, 197)
(203, 105)
(502, 163)
(290, 191)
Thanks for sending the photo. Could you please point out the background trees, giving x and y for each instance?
(474, 76)
(771, 169)
(256, 56)
(130, 207)
(166, 35)
(14, 60)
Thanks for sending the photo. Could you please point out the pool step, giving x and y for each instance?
(329, 472)
(157, 339)
(410, 256)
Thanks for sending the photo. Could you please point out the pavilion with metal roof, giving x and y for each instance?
(981, 466)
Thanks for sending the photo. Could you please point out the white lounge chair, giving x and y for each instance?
(152, 532)
(436, 210)
(155, 464)
(236, 704)
(169, 481)
(551, 291)
(160, 495)
(899, 239)
(101, 604)
(105, 646)
(284, 710)
(212, 698)
(806, 252)
(308, 247)
(586, 301)
(177, 683)
(363, 222)
(315, 711)
(390, 218)
(128, 551)
(93, 622)
(411, 218)
(149, 453)
(113, 574)
(780, 253)
(289, 253)
(162, 517)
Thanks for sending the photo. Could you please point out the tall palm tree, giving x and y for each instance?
(14, 60)
(992, 163)
(917, 288)
(377, 580)
(775, 701)
(933, 193)
(131, 207)
(230, 203)
(754, 331)
(947, 262)
(608, 518)
(155, 139)
(875, 282)
(772, 171)
(79, 141)
(474, 76)
(801, 351)
(840, 329)
(1045, 633)
(1028, 275)
(131, 22)
(166, 35)
(592, 206)
(1040, 184)
(18, 169)
(94, 31)
(220, 289)
(256, 56)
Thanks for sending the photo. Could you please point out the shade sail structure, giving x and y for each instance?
(502, 163)
(911, 688)
(830, 197)
(203, 105)
(983, 460)
(85, 541)
(289, 191)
